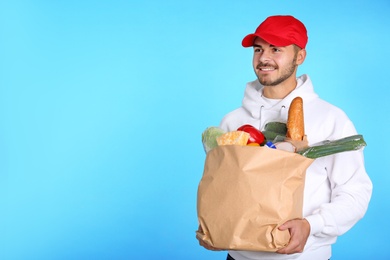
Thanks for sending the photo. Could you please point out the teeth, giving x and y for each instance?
(267, 69)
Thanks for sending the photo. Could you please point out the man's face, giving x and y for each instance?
(273, 65)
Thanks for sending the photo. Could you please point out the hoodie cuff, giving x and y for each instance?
(316, 223)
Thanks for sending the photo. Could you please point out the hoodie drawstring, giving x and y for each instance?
(261, 116)
(283, 112)
(280, 117)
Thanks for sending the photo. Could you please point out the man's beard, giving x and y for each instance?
(285, 75)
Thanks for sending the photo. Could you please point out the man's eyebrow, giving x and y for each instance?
(255, 45)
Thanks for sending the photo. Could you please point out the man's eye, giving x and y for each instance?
(276, 50)
(258, 50)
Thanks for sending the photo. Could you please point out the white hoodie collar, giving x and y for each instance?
(254, 102)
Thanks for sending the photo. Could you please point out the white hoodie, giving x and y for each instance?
(337, 188)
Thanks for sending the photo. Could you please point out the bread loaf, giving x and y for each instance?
(233, 137)
(295, 120)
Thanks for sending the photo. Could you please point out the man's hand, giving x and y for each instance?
(204, 244)
(299, 231)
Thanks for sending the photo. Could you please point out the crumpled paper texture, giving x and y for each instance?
(246, 193)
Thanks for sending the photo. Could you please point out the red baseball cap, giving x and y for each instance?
(279, 30)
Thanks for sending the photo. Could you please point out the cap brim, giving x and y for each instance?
(249, 40)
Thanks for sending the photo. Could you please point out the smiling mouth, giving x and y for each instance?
(265, 68)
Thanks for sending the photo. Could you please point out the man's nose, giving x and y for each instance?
(265, 56)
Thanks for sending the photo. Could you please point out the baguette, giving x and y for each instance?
(295, 120)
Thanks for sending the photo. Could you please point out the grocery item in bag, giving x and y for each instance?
(246, 193)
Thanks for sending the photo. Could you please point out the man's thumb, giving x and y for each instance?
(284, 226)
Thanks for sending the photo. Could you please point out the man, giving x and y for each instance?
(337, 189)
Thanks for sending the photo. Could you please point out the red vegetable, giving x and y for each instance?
(255, 135)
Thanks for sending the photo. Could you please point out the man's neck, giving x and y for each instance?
(280, 91)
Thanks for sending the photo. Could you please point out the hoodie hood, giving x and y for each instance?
(255, 104)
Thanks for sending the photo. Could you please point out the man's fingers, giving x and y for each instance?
(284, 226)
(299, 231)
(292, 248)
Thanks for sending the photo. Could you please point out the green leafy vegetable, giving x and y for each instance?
(209, 137)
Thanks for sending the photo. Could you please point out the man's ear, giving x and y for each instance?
(301, 55)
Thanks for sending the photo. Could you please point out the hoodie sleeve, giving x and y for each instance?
(351, 190)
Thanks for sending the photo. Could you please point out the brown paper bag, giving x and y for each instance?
(246, 193)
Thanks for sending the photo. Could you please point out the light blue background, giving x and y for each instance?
(102, 104)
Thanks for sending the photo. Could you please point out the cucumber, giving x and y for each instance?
(350, 143)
